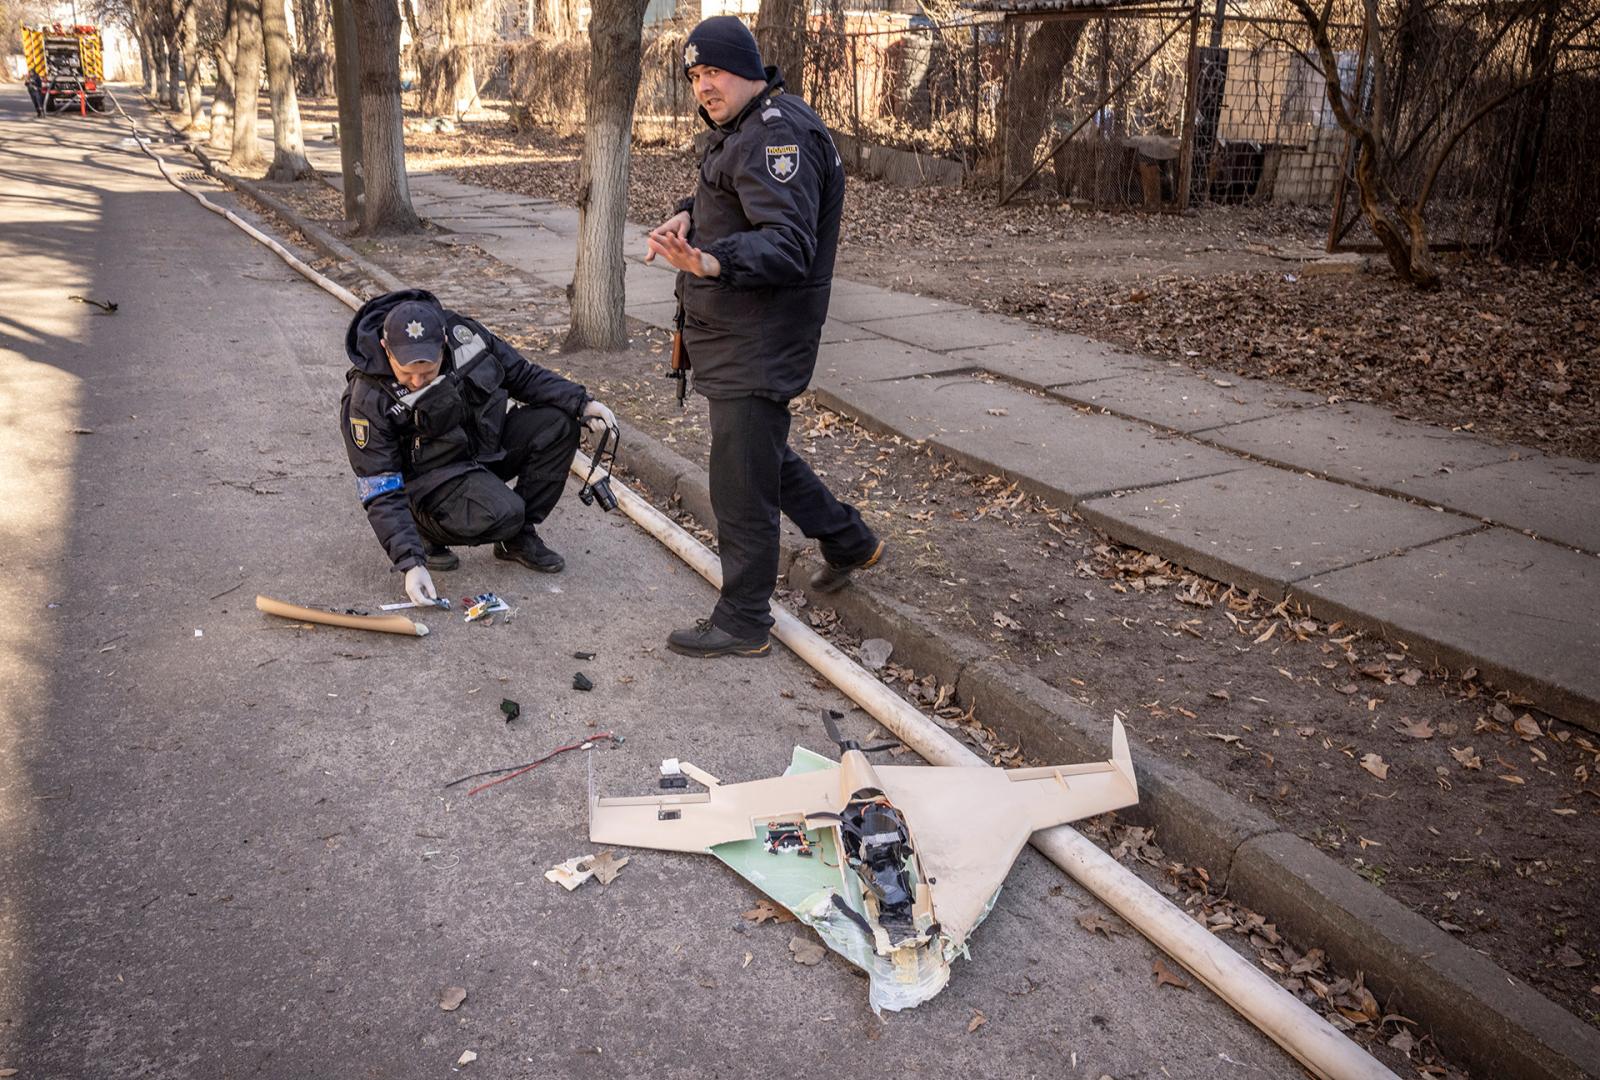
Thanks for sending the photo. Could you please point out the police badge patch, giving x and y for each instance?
(359, 431)
(783, 162)
(463, 333)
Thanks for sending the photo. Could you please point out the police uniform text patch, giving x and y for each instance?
(783, 162)
(359, 433)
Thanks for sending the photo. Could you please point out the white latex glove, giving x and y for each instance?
(419, 586)
(597, 416)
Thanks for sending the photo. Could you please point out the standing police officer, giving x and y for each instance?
(426, 426)
(754, 249)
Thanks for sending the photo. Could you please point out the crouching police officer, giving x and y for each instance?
(754, 249)
(426, 426)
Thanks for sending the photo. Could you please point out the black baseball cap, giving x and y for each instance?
(413, 332)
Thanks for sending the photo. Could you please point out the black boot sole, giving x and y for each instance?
(750, 652)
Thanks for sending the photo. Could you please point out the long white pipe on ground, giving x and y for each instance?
(1315, 1043)
(1300, 1031)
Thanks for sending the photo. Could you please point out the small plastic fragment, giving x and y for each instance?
(511, 709)
(483, 605)
(580, 681)
(582, 655)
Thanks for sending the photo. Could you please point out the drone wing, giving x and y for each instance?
(968, 824)
(718, 815)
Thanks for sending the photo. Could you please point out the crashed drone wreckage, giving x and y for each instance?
(893, 866)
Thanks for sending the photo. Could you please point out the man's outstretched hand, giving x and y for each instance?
(676, 225)
(670, 241)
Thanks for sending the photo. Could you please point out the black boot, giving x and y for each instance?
(705, 640)
(832, 578)
(439, 557)
(531, 552)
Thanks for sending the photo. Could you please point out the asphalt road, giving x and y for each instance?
(225, 848)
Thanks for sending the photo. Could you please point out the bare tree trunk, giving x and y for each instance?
(159, 63)
(189, 46)
(222, 97)
(1034, 88)
(448, 84)
(386, 198)
(615, 28)
(313, 29)
(347, 69)
(246, 153)
(781, 33)
(288, 144)
(175, 71)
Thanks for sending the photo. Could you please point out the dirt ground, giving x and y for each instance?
(1509, 351)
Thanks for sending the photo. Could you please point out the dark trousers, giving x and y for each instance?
(539, 443)
(754, 476)
(36, 95)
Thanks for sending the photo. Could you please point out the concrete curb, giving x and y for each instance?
(319, 238)
(1479, 1013)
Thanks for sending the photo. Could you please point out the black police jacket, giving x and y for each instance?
(767, 206)
(402, 452)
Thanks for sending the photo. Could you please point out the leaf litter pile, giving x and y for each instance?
(1506, 351)
(1453, 797)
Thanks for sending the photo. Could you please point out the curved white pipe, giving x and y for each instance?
(1307, 1037)
(1310, 1039)
(332, 288)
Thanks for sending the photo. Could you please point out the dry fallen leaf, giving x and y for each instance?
(747, 958)
(1513, 779)
(1006, 622)
(1374, 764)
(467, 1058)
(977, 1021)
(1165, 977)
(1093, 921)
(1568, 957)
(806, 951)
(1527, 727)
(451, 997)
(1416, 729)
(606, 867)
(1219, 735)
(766, 909)
(1466, 757)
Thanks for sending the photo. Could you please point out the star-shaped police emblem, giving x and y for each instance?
(782, 165)
(690, 55)
(414, 330)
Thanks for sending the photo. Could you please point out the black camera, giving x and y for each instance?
(599, 491)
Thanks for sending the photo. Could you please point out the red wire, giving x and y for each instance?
(535, 764)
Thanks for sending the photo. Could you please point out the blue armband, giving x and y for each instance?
(370, 487)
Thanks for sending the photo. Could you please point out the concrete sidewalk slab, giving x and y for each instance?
(660, 313)
(911, 408)
(1043, 360)
(1361, 445)
(948, 330)
(1553, 497)
(1520, 610)
(875, 360)
(1057, 451)
(857, 302)
(1185, 401)
(1263, 528)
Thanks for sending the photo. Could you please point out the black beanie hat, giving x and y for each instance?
(723, 41)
